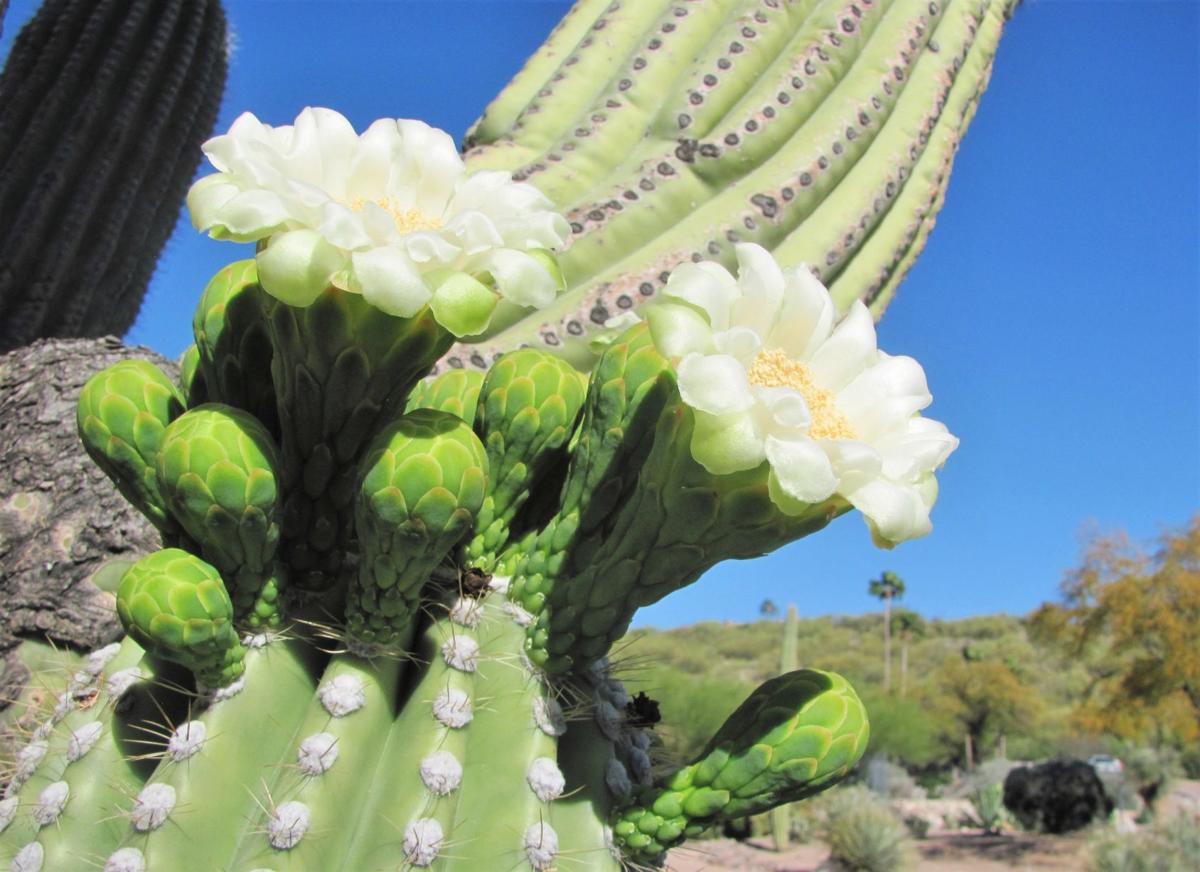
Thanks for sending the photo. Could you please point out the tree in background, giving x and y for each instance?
(982, 699)
(887, 587)
(907, 625)
(768, 609)
(1133, 618)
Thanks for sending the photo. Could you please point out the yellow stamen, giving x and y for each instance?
(772, 368)
(407, 220)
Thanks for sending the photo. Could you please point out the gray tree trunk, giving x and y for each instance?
(61, 519)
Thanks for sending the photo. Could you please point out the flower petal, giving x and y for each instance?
(297, 266)
(707, 285)
(723, 444)
(848, 351)
(895, 512)
(206, 197)
(805, 316)
(761, 283)
(884, 396)
(251, 215)
(801, 468)
(787, 412)
(463, 304)
(714, 383)
(744, 343)
(388, 280)
(678, 330)
(919, 449)
(522, 278)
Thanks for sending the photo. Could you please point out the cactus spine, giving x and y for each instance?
(103, 107)
(822, 130)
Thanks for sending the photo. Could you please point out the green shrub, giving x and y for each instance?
(863, 834)
(988, 803)
(1173, 847)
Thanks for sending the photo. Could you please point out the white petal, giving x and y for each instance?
(848, 351)
(884, 396)
(388, 280)
(786, 410)
(342, 226)
(521, 278)
(894, 512)
(921, 448)
(707, 285)
(297, 266)
(428, 247)
(207, 196)
(854, 463)
(806, 315)
(474, 231)
(761, 282)
(801, 468)
(678, 330)
(434, 169)
(714, 383)
(727, 443)
(744, 343)
(323, 146)
(251, 215)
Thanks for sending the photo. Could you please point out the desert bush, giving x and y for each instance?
(988, 803)
(1056, 797)
(885, 778)
(1173, 847)
(863, 834)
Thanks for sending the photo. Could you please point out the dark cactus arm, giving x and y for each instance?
(103, 107)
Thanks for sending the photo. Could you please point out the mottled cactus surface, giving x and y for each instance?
(669, 130)
(378, 636)
(103, 106)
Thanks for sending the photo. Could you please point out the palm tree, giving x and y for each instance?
(887, 587)
(907, 625)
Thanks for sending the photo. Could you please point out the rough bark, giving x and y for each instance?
(61, 519)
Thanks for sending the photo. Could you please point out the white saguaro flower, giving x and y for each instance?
(391, 214)
(772, 376)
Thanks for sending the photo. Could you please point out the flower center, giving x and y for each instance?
(407, 220)
(772, 368)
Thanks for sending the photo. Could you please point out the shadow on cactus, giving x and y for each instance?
(378, 635)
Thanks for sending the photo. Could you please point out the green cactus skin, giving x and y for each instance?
(234, 344)
(341, 369)
(654, 518)
(175, 605)
(216, 470)
(789, 661)
(455, 391)
(793, 737)
(303, 445)
(85, 224)
(528, 407)
(423, 485)
(122, 415)
(822, 130)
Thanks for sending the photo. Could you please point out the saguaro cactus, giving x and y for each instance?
(669, 130)
(102, 109)
(379, 634)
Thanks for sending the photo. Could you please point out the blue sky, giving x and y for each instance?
(1055, 308)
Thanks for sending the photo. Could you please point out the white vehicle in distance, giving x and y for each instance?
(1104, 763)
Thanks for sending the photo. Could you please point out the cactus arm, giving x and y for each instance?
(781, 815)
(355, 706)
(837, 227)
(893, 246)
(88, 222)
(629, 104)
(499, 116)
(582, 76)
(278, 680)
(793, 737)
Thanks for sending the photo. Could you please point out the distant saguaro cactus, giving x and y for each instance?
(103, 106)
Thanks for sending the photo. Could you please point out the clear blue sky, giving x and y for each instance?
(1055, 308)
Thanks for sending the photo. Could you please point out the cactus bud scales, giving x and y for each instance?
(377, 638)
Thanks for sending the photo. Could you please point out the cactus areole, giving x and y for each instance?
(377, 635)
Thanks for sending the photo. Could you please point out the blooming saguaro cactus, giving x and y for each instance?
(378, 635)
(396, 597)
